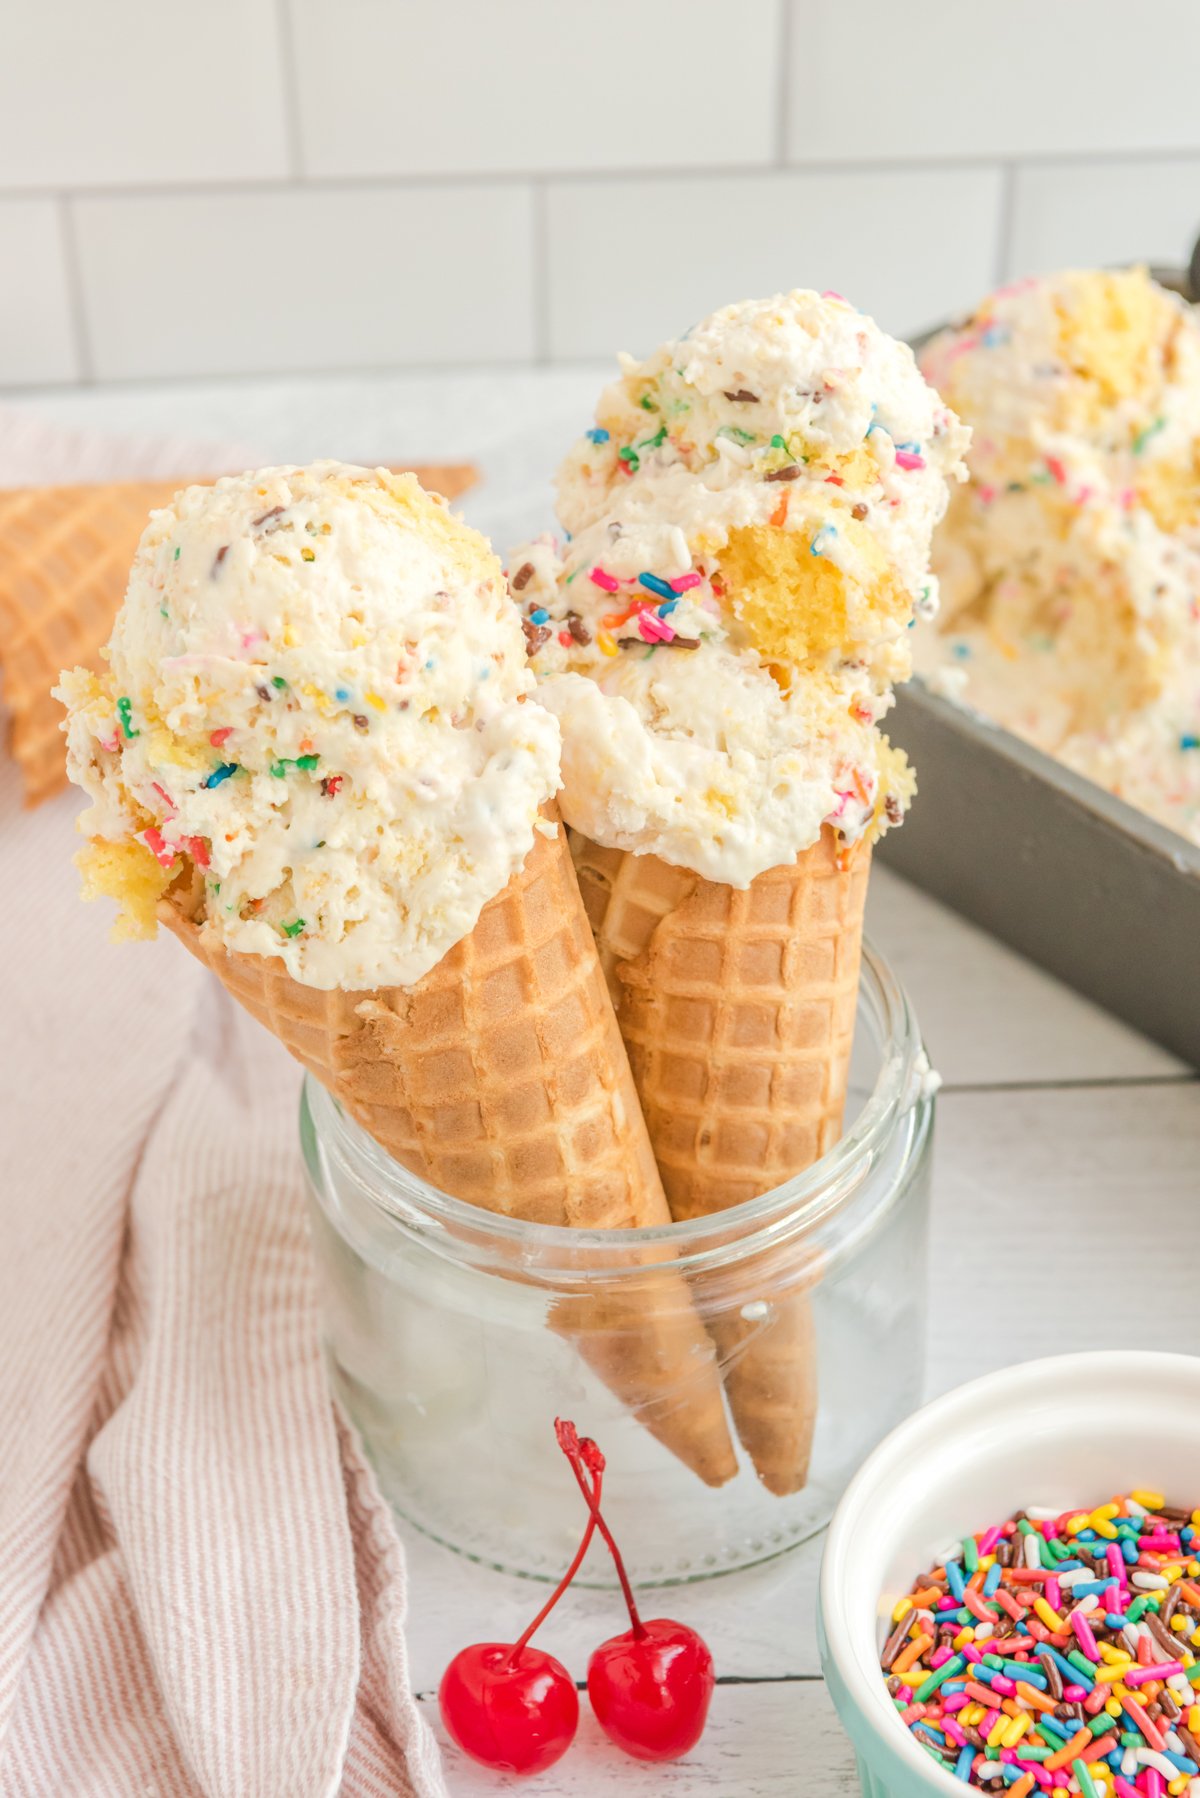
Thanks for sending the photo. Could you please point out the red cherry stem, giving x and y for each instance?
(558, 1591)
(585, 1453)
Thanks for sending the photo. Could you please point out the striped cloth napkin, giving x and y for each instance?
(201, 1590)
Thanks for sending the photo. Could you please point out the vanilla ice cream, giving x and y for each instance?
(748, 527)
(1070, 565)
(316, 700)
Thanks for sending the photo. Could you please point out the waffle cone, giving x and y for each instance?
(65, 554)
(738, 1009)
(501, 1078)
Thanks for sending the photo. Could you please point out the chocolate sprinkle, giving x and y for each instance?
(1161, 1634)
(744, 394)
(895, 1641)
(263, 691)
(360, 721)
(858, 511)
(535, 636)
(522, 577)
(790, 473)
(219, 558)
(891, 806)
(1053, 1676)
(579, 631)
(1190, 1745)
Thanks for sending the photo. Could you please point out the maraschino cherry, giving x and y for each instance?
(514, 1708)
(651, 1686)
(509, 1706)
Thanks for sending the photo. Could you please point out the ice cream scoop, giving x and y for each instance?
(1070, 565)
(317, 696)
(748, 531)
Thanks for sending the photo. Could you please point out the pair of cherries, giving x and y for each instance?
(515, 1708)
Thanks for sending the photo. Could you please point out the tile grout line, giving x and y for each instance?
(398, 180)
(80, 334)
(540, 255)
(291, 93)
(783, 48)
(1006, 223)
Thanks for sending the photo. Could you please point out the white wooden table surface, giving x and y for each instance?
(1065, 1141)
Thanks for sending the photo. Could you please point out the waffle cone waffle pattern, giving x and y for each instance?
(501, 1078)
(738, 1012)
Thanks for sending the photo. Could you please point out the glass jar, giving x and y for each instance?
(451, 1341)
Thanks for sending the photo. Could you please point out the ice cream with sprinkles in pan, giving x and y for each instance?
(748, 527)
(1070, 566)
(316, 696)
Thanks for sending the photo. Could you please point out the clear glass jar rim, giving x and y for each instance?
(798, 1204)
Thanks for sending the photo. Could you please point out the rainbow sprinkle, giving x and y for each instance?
(124, 708)
(1056, 1653)
(654, 583)
(153, 839)
(306, 762)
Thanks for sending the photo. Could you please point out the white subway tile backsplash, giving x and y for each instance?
(529, 85)
(36, 341)
(139, 92)
(268, 281)
(1070, 215)
(303, 184)
(955, 78)
(635, 262)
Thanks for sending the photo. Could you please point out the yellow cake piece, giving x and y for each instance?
(798, 604)
(130, 874)
(1170, 491)
(1112, 331)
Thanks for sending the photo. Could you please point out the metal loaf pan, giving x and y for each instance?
(1080, 882)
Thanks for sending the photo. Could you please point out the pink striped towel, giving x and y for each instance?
(201, 1591)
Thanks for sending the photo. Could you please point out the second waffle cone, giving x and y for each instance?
(738, 1009)
(501, 1079)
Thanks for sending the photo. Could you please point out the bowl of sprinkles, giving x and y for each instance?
(1010, 1592)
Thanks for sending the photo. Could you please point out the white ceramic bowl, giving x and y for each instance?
(1074, 1430)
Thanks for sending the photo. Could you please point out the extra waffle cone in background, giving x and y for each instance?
(738, 1010)
(65, 554)
(501, 1078)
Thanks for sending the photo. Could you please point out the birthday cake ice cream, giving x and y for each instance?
(748, 527)
(1070, 565)
(315, 697)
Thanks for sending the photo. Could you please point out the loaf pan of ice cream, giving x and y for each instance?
(1084, 884)
(1080, 882)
